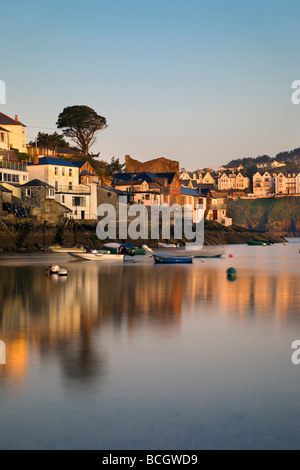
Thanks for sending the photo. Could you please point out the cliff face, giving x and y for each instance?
(280, 216)
(158, 165)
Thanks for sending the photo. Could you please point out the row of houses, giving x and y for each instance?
(150, 188)
(263, 184)
(50, 188)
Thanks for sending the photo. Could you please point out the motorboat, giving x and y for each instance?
(100, 255)
(127, 249)
(65, 249)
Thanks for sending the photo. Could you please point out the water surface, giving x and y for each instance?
(141, 356)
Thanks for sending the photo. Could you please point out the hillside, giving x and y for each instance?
(280, 216)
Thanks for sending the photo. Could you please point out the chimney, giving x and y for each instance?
(36, 159)
(16, 118)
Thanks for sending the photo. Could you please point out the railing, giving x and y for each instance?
(13, 165)
(216, 207)
(73, 190)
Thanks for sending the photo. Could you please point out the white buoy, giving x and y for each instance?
(54, 269)
(62, 272)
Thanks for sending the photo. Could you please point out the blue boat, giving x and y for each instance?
(170, 259)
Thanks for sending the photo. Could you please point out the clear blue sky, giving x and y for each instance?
(199, 81)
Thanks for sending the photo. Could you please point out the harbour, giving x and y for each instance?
(103, 349)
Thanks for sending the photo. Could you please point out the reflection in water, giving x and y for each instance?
(58, 316)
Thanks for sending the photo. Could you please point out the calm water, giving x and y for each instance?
(139, 356)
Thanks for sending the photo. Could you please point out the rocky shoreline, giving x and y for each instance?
(27, 236)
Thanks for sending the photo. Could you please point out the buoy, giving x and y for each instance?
(63, 272)
(230, 256)
(54, 269)
(231, 272)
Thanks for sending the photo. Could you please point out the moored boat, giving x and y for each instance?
(64, 249)
(167, 245)
(258, 243)
(98, 256)
(171, 259)
(119, 248)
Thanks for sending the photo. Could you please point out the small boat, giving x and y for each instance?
(168, 245)
(206, 252)
(172, 259)
(258, 243)
(65, 249)
(127, 249)
(100, 255)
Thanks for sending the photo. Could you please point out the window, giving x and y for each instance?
(70, 172)
(63, 199)
(70, 186)
(56, 171)
(79, 201)
(2, 136)
(63, 172)
(49, 192)
(24, 178)
(27, 192)
(56, 185)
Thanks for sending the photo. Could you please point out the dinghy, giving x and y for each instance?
(100, 255)
(258, 242)
(171, 259)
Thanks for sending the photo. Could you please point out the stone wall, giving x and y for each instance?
(158, 165)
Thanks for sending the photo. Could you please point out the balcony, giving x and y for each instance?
(13, 165)
(60, 189)
(215, 207)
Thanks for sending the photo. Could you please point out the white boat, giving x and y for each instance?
(168, 245)
(98, 256)
(207, 252)
(63, 249)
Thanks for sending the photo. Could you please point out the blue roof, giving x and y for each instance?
(52, 161)
(147, 176)
(138, 176)
(189, 191)
(79, 164)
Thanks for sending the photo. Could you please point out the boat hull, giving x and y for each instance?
(115, 247)
(258, 243)
(164, 259)
(98, 257)
(60, 249)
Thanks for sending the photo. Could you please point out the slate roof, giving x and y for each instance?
(52, 161)
(7, 121)
(37, 182)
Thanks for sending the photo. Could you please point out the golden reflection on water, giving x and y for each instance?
(46, 314)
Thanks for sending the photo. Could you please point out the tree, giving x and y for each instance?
(80, 123)
(50, 140)
(115, 167)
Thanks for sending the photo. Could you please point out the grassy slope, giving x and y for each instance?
(278, 215)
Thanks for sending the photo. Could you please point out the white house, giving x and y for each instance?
(13, 173)
(287, 183)
(16, 133)
(263, 184)
(64, 177)
(233, 181)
